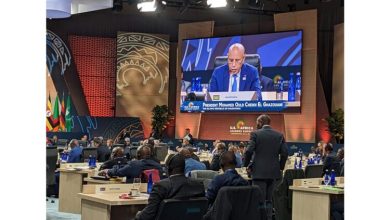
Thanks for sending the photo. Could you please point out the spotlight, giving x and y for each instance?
(216, 3)
(147, 5)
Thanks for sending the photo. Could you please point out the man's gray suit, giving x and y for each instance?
(270, 155)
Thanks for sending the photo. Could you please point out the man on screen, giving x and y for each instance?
(236, 75)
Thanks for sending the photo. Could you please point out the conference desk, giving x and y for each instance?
(313, 201)
(71, 183)
(118, 180)
(102, 202)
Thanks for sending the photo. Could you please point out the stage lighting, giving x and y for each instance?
(255, 4)
(216, 3)
(147, 5)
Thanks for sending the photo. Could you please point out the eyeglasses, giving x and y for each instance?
(238, 61)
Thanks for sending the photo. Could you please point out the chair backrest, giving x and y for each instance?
(252, 59)
(161, 151)
(62, 142)
(314, 170)
(177, 209)
(82, 143)
(282, 196)
(89, 151)
(133, 152)
(145, 175)
(237, 202)
(51, 161)
(204, 174)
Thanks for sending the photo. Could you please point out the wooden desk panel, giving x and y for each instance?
(71, 183)
(312, 202)
(108, 206)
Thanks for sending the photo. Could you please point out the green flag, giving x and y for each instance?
(68, 117)
(55, 113)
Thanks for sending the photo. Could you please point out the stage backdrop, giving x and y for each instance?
(142, 75)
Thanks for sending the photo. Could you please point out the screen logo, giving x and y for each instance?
(240, 128)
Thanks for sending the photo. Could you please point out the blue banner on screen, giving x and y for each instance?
(248, 73)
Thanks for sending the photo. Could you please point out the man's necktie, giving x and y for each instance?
(234, 86)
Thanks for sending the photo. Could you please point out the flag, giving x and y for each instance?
(48, 115)
(62, 113)
(68, 117)
(55, 115)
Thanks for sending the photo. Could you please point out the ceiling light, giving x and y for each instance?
(216, 3)
(147, 5)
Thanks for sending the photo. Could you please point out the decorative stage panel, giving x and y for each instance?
(142, 75)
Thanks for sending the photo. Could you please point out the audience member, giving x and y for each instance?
(126, 147)
(242, 149)
(135, 167)
(117, 158)
(331, 161)
(270, 155)
(215, 162)
(230, 177)
(340, 156)
(188, 136)
(177, 186)
(237, 154)
(190, 163)
(103, 152)
(110, 144)
(193, 155)
(75, 152)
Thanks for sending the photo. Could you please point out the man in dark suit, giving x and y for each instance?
(103, 152)
(230, 177)
(177, 186)
(135, 167)
(236, 75)
(270, 155)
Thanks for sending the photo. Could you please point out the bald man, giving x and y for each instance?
(236, 75)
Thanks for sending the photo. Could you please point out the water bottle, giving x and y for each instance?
(279, 90)
(326, 178)
(199, 84)
(90, 160)
(332, 178)
(291, 88)
(93, 161)
(150, 183)
(193, 84)
(295, 163)
(298, 87)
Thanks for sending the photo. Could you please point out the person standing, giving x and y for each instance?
(188, 136)
(270, 155)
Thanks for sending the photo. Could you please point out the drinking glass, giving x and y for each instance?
(136, 183)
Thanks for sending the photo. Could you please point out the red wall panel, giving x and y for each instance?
(95, 60)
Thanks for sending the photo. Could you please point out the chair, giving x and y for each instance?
(236, 202)
(89, 151)
(155, 175)
(313, 170)
(177, 209)
(282, 197)
(131, 152)
(51, 162)
(161, 151)
(204, 176)
(62, 142)
(83, 143)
